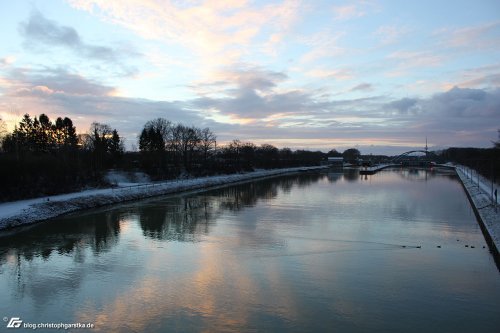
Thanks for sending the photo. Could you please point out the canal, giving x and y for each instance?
(398, 251)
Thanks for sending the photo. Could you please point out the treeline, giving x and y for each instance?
(41, 157)
(168, 150)
(485, 160)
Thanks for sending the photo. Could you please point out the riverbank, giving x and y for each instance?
(487, 212)
(23, 212)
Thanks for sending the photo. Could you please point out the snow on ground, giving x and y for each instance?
(122, 178)
(23, 212)
(480, 192)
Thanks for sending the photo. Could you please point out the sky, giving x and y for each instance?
(381, 76)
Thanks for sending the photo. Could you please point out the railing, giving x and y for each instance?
(482, 183)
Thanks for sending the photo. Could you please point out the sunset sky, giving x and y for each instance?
(377, 75)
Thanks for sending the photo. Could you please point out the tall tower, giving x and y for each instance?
(426, 148)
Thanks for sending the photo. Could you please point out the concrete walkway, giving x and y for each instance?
(487, 211)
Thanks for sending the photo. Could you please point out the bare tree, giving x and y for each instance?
(99, 134)
(208, 142)
(233, 150)
(185, 140)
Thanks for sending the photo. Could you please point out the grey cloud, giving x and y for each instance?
(404, 105)
(248, 92)
(459, 116)
(457, 103)
(60, 93)
(47, 31)
(461, 94)
(456, 117)
(261, 80)
(248, 104)
(243, 87)
(58, 80)
(61, 80)
(244, 77)
(362, 87)
(491, 80)
(40, 30)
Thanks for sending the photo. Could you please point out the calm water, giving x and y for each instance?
(315, 252)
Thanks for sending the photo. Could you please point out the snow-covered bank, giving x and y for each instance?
(23, 212)
(479, 192)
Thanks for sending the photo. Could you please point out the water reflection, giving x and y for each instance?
(99, 232)
(334, 176)
(310, 252)
(351, 175)
(425, 174)
(178, 218)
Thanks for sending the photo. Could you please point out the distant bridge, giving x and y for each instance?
(406, 155)
(406, 160)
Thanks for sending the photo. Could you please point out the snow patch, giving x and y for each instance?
(123, 178)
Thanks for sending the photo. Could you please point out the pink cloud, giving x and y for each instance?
(214, 30)
(484, 36)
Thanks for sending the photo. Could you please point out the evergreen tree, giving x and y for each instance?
(116, 146)
(70, 137)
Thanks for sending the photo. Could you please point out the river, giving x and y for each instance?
(398, 251)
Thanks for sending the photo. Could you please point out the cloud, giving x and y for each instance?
(355, 9)
(390, 34)
(249, 94)
(362, 87)
(491, 80)
(484, 36)
(6, 61)
(338, 74)
(219, 32)
(343, 13)
(460, 116)
(39, 30)
(71, 84)
(404, 105)
(466, 103)
(248, 77)
(322, 44)
(264, 104)
(253, 99)
(57, 92)
(402, 62)
(411, 59)
(251, 103)
(478, 77)
(55, 80)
